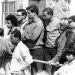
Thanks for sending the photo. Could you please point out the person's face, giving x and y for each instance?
(46, 16)
(70, 57)
(9, 24)
(63, 23)
(20, 17)
(11, 48)
(72, 24)
(30, 14)
(13, 39)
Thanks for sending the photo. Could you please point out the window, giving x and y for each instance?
(7, 8)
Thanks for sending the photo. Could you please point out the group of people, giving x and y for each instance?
(27, 37)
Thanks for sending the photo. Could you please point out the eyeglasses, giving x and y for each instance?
(18, 15)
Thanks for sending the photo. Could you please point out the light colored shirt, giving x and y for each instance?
(21, 58)
(34, 32)
(67, 69)
(22, 25)
(52, 32)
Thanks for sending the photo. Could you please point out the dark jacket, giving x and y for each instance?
(66, 41)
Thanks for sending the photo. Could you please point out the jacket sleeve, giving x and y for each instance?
(61, 45)
(65, 44)
(70, 35)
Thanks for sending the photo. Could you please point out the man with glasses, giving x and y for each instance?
(21, 16)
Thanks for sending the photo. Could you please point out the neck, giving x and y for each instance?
(17, 42)
(51, 19)
(35, 18)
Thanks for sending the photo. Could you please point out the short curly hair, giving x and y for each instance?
(33, 8)
(13, 19)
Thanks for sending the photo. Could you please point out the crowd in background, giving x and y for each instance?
(28, 36)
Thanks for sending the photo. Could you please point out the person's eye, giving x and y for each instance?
(28, 12)
(19, 15)
(8, 23)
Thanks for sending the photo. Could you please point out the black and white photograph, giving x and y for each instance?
(37, 37)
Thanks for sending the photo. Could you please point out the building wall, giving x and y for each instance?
(72, 7)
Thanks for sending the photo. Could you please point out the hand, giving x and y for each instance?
(54, 63)
(58, 64)
(50, 62)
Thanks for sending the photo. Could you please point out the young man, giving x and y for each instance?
(68, 28)
(22, 18)
(52, 33)
(33, 36)
(65, 41)
(21, 57)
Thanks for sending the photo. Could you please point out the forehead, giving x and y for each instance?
(19, 13)
(28, 10)
(11, 35)
(8, 21)
(44, 12)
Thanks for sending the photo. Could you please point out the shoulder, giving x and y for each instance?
(6, 41)
(23, 46)
(56, 19)
(40, 23)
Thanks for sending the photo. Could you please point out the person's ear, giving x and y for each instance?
(17, 39)
(25, 16)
